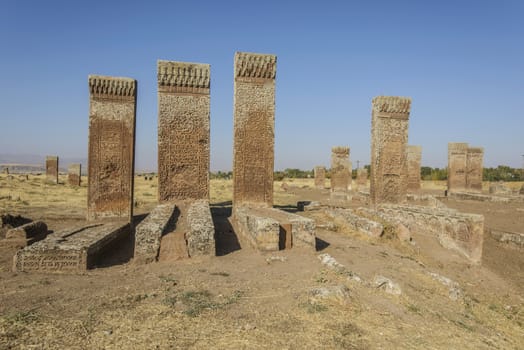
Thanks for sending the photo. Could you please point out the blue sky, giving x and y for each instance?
(462, 63)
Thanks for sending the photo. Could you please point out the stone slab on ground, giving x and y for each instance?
(201, 230)
(484, 197)
(161, 220)
(70, 250)
(515, 239)
(348, 218)
(458, 231)
(262, 232)
(268, 228)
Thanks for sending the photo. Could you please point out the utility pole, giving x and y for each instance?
(358, 162)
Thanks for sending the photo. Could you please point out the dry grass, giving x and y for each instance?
(239, 301)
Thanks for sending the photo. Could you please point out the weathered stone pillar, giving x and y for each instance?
(112, 112)
(51, 169)
(340, 173)
(254, 127)
(74, 174)
(389, 137)
(183, 131)
(414, 158)
(320, 177)
(457, 160)
(474, 169)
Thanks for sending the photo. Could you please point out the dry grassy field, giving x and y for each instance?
(244, 299)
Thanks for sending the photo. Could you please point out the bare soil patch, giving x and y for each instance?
(243, 299)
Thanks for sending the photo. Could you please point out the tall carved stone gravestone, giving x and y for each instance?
(254, 127)
(183, 130)
(362, 177)
(457, 166)
(474, 168)
(51, 169)
(74, 174)
(389, 137)
(414, 158)
(340, 173)
(182, 225)
(112, 112)
(320, 177)
(253, 160)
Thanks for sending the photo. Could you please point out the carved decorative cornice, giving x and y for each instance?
(186, 77)
(392, 105)
(340, 151)
(459, 147)
(255, 66)
(113, 88)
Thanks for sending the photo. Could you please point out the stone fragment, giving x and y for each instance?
(339, 293)
(51, 169)
(454, 290)
(71, 250)
(331, 263)
(389, 137)
(387, 285)
(111, 151)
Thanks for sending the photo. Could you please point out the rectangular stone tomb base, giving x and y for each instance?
(484, 197)
(269, 229)
(461, 232)
(70, 250)
(347, 217)
(173, 231)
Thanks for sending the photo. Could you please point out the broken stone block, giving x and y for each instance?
(399, 229)
(454, 291)
(461, 232)
(201, 231)
(308, 205)
(70, 250)
(348, 218)
(339, 293)
(514, 239)
(149, 232)
(261, 231)
(387, 285)
(29, 233)
(275, 229)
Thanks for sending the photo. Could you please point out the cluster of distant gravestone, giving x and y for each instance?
(182, 226)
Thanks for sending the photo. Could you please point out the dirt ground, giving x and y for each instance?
(244, 299)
